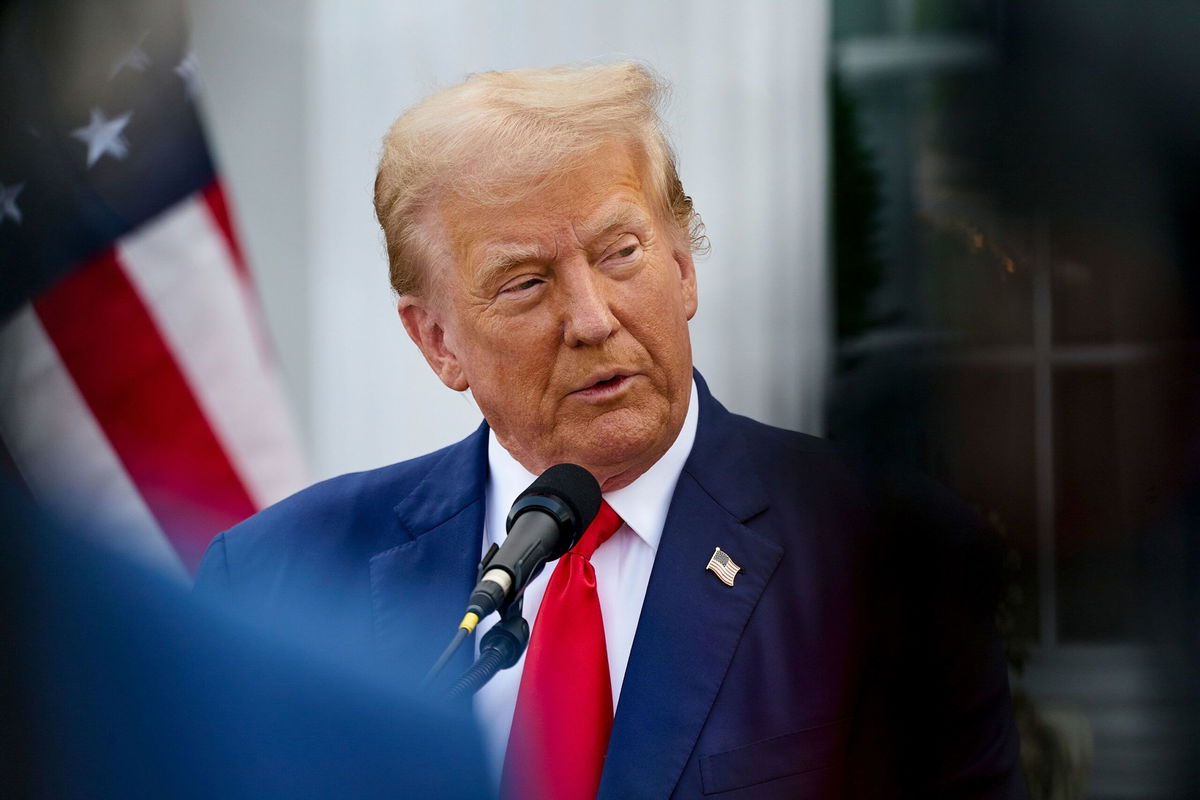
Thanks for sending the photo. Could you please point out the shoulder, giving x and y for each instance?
(723, 435)
(792, 449)
(905, 516)
(898, 494)
(799, 466)
(357, 496)
(331, 526)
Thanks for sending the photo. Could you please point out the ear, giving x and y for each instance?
(425, 328)
(687, 274)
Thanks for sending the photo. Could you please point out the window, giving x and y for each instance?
(1034, 361)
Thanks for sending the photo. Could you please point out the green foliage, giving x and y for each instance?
(856, 200)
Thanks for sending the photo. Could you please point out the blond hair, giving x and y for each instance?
(500, 135)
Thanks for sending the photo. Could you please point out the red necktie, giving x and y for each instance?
(564, 711)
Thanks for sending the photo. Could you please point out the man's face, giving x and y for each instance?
(566, 315)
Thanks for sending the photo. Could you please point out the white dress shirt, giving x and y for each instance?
(622, 565)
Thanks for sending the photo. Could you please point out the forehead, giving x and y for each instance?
(603, 191)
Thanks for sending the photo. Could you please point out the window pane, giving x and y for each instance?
(1109, 290)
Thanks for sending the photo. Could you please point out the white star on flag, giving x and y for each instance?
(103, 136)
(189, 70)
(136, 59)
(8, 202)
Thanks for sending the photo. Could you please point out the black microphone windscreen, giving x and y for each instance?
(575, 486)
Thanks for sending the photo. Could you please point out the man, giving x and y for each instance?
(541, 246)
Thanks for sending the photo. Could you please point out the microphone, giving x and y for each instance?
(545, 522)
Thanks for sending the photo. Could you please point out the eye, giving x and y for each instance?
(624, 250)
(521, 286)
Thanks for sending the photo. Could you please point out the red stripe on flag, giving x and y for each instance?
(218, 206)
(141, 400)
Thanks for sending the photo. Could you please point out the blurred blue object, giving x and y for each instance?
(116, 683)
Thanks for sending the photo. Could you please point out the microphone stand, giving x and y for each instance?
(465, 628)
(500, 648)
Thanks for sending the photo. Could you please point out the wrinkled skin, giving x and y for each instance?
(566, 315)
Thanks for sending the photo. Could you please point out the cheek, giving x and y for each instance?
(667, 336)
(524, 349)
(663, 310)
(493, 342)
(516, 361)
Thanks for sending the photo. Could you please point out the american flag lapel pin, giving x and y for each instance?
(723, 566)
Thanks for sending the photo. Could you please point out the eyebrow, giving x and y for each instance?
(621, 214)
(501, 257)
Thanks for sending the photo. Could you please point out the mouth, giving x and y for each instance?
(604, 386)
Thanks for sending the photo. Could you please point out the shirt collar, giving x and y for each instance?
(642, 504)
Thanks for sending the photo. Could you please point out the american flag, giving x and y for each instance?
(138, 390)
(723, 566)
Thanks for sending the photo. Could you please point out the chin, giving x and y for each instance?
(607, 448)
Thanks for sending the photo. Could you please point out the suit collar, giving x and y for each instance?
(419, 586)
(451, 484)
(691, 623)
(720, 461)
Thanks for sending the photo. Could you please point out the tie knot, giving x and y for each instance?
(600, 531)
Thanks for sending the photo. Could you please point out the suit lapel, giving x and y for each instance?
(420, 586)
(691, 622)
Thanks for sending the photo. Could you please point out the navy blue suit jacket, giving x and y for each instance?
(854, 656)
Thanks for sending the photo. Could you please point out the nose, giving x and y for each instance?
(587, 317)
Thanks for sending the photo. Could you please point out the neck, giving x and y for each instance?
(611, 477)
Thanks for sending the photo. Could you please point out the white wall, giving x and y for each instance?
(299, 95)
